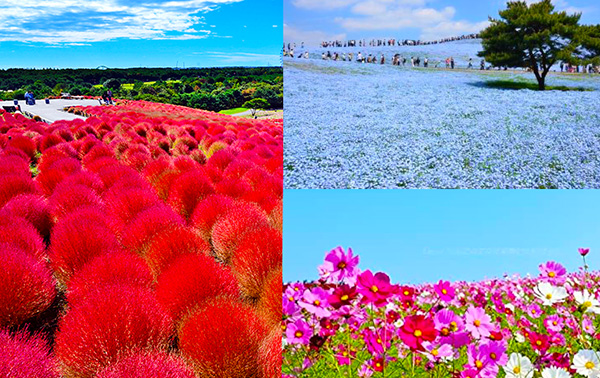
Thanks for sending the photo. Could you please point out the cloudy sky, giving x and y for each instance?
(312, 21)
(133, 33)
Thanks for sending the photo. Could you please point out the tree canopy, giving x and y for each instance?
(531, 36)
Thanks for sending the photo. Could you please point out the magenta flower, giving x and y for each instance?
(534, 310)
(315, 302)
(437, 352)
(339, 266)
(444, 290)
(495, 351)
(376, 288)
(480, 361)
(477, 322)
(553, 272)
(554, 323)
(298, 332)
(583, 251)
(343, 355)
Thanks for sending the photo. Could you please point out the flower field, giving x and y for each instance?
(351, 125)
(357, 323)
(144, 241)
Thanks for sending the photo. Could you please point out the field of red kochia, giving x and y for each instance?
(143, 241)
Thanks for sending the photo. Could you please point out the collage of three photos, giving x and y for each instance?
(221, 189)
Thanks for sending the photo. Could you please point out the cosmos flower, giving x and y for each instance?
(553, 272)
(518, 366)
(315, 302)
(587, 301)
(298, 332)
(550, 294)
(340, 266)
(586, 363)
(477, 322)
(445, 291)
(555, 372)
(376, 288)
(583, 251)
(417, 329)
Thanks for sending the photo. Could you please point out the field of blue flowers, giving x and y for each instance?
(350, 125)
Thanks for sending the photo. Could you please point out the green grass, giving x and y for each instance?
(98, 86)
(516, 85)
(233, 111)
(127, 86)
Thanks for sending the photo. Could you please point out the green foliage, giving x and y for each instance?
(530, 36)
(510, 84)
(113, 84)
(256, 104)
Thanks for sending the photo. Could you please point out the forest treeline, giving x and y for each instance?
(212, 89)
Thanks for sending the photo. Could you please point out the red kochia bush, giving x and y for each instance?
(230, 229)
(147, 365)
(140, 231)
(187, 190)
(106, 327)
(192, 279)
(257, 255)
(269, 303)
(26, 287)
(24, 355)
(129, 202)
(67, 199)
(169, 244)
(118, 268)
(221, 340)
(77, 238)
(208, 211)
(270, 354)
(19, 233)
(34, 209)
(12, 185)
(24, 144)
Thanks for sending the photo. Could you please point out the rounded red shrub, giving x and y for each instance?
(11, 185)
(233, 187)
(14, 165)
(24, 144)
(50, 140)
(19, 233)
(257, 255)
(221, 158)
(48, 179)
(148, 364)
(271, 353)
(138, 234)
(85, 178)
(169, 244)
(192, 279)
(117, 268)
(221, 339)
(24, 355)
(66, 199)
(26, 287)
(77, 238)
(187, 190)
(269, 303)
(125, 204)
(107, 326)
(276, 216)
(34, 209)
(208, 211)
(230, 229)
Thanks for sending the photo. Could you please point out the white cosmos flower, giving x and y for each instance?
(519, 337)
(587, 300)
(554, 372)
(518, 367)
(586, 363)
(550, 294)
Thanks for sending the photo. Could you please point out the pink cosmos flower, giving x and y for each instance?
(553, 272)
(376, 288)
(479, 361)
(298, 332)
(534, 310)
(477, 322)
(340, 266)
(554, 323)
(495, 351)
(583, 251)
(343, 355)
(315, 302)
(445, 290)
(436, 352)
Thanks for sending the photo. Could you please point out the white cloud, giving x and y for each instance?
(383, 15)
(240, 58)
(71, 21)
(452, 28)
(322, 4)
(309, 37)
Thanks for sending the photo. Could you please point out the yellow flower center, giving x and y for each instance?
(434, 352)
(291, 299)
(533, 311)
(555, 322)
(589, 365)
(477, 322)
(378, 341)
(406, 292)
(345, 354)
(493, 355)
(374, 289)
(444, 291)
(445, 331)
(342, 265)
(551, 274)
(378, 364)
(538, 343)
(298, 334)
(418, 333)
(587, 304)
(479, 364)
(344, 297)
(517, 370)
(317, 302)
(453, 326)
(549, 296)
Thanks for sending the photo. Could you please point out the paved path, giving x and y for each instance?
(53, 111)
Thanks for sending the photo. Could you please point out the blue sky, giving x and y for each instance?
(134, 33)
(312, 21)
(426, 235)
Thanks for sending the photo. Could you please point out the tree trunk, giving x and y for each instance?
(541, 83)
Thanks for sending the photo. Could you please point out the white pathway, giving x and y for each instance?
(53, 111)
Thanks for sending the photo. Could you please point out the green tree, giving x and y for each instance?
(256, 104)
(588, 40)
(530, 36)
(113, 84)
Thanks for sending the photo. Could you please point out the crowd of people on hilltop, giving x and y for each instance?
(393, 42)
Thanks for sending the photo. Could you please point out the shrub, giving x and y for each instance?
(221, 340)
(257, 255)
(19, 233)
(34, 209)
(208, 211)
(24, 355)
(68, 198)
(169, 244)
(118, 268)
(192, 279)
(12, 185)
(106, 327)
(269, 304)
(24, 144)
(187, 190)
(127, 203)
(270, 354)
(140, 231)
(146, 365)
(26, 287)
(230, 229)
